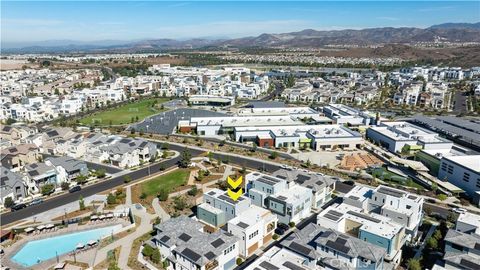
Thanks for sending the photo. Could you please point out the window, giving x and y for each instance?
(409, 206)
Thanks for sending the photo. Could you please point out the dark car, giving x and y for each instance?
(279, 231)
(75, 189)
(36, 201)
(283, 226)
(18, 206)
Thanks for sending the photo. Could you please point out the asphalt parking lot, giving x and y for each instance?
(165, 122)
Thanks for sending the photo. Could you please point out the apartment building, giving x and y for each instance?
(289, 201)
(254, 227)
(184, 244)
(218, 208)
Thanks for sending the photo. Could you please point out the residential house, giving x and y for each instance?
(11, 185)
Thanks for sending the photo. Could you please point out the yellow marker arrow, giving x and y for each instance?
(234, 195)
(234, 184)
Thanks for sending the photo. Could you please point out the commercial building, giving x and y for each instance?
(254, 227)
(317, 137)
(403, 137)
(211, 126)
(211, 100)
(462, 171)
(342, 114)
(184, 244)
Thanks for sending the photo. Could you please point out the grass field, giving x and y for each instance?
(168, 181)
(123, 115)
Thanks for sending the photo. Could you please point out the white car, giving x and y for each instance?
(459, 210)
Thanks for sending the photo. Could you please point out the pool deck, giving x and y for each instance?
(13, 249)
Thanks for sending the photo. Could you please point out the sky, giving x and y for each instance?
(24, 21)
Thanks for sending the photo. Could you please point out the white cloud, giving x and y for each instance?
(30, 22)
(231, 28)
(386, 18)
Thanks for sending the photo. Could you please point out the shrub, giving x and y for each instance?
(432, 243)
(147, 251)
(8, 202)
(162, 195)
(155, 256)
(65, 185)
(179, 203)
(143, 196)
(47, 189)
(239, 261)
(100, 173)
(273, 155)
(413, 264)
(291, 224)
(275, 236)
(111, 199)
(193, 191)
(81, 203)
(442, 197)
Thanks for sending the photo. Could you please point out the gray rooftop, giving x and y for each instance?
(187, 238)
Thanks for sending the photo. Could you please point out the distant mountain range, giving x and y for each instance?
(451, 32)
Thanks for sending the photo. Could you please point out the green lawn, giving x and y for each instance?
(123, 114)
(168, 181)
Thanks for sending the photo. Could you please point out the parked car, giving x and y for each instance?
(283, 226)
(431, 200)
(75, 189)
(36, 201)
(18, 206)
(279, 231)
(459, 210)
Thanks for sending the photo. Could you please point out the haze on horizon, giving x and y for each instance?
(25, 23)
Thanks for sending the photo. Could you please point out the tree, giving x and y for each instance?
(413, 264)
(179, 203)
(162, 195)
(273, 155)
(442, 197)
(65, 185)
(155, 256)
(100, 173)
(143, 196)
(127, 179)
(10, 121)
(113, 265)
(81, 179)
(434, 187)
(193, 191)
(432, 243)
(8, 202)
(186, 156)
(47, 189)
(165, 146)
(437, 235)
(111, 199)
(81, 203)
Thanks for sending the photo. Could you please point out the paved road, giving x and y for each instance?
(460, 102)
(60, 200)
(275, 93)
(439, 210)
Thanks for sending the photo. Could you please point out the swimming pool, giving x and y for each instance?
(44, 249)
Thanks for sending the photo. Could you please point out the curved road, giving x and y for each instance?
(86, 191)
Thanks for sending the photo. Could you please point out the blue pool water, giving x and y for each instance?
(40, 250)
